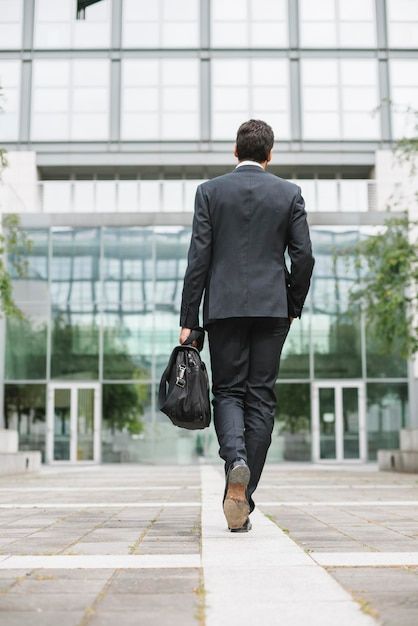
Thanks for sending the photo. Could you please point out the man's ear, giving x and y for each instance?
(235, 150)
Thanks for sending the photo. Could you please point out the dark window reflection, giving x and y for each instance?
(387, 413)
(126, 414)
(293, 416)
(24, 411)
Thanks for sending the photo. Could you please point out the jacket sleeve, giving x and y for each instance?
(299, 248)
(198, 262)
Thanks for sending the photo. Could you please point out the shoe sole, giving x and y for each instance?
(241, 530)
(236, 507)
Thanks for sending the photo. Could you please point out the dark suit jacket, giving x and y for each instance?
(243, 221)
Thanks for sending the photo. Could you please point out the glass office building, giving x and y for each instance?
(112, 116)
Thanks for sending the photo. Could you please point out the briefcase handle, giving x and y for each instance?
(197, 334)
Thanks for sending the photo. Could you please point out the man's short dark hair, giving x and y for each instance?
(255, 139)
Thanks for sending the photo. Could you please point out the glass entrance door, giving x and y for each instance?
(73, 432)
(339, 421)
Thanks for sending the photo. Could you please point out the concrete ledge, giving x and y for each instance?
(9, 440)
(409, 439)
(19, 462)
(398, 460)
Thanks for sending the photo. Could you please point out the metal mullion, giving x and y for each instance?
(73, 422)
(339, 431)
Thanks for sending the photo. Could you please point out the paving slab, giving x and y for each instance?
(250, 578)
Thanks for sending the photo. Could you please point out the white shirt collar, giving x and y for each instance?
(248, 162)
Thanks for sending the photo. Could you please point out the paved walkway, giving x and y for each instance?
(129, 544)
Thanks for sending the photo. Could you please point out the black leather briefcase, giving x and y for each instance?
(184, 385)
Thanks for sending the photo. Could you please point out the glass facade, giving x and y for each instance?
(129, 105)
(194, 69)
(103, 306)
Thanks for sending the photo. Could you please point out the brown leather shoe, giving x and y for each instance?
(235, 504)
(244, 528)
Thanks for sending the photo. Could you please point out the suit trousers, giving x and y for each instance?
(245, 358)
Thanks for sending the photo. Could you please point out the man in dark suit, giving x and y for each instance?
(243, 222)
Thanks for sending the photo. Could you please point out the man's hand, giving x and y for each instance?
(185, 332)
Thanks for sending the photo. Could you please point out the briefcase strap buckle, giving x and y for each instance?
(180, 380)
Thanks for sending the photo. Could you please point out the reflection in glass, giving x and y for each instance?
(24, 411)
(335, 324)
(327, 421)
(128, 270)
(85, 424)
(33, 286)
(294, 362)
(127, 344)
(293, 419)
(380, 364)
(126, 412)
(26, 343)
(351, 442)
(387, 413)
(62, 424)
(75, 343)
(75, 265)
(171, 246)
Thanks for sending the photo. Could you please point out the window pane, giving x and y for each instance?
(291, 440)
(160, 99)
(75, 342)
(70, 99)
(127, 411)
(26, 342)
(402, 23)
(75, 276)
(404, 97)
(128, 343)
(25, 411)
(387, 413)
(337, 23)
(242, 89)
(9, 99)
(57, 26)
(169, 23)
(340, 99)
(335, 323)
(128, 269)
(11, 24)
(242, 23)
